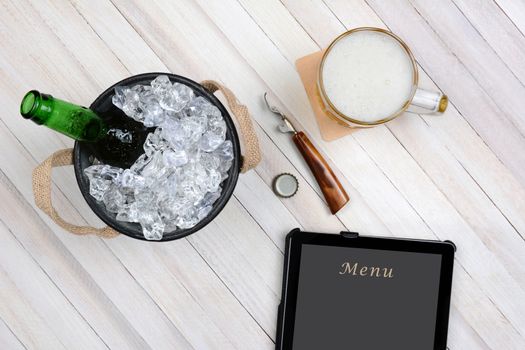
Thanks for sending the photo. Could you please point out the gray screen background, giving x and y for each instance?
(336, 312)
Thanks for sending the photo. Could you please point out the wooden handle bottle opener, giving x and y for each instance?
(334, 193)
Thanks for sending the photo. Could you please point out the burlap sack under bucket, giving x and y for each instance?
(81, 158)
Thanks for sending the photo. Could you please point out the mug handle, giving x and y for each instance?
(426, 102)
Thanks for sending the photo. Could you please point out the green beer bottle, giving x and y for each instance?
(77, 122)
(112, 137)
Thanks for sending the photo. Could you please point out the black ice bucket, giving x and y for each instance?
(82, 158)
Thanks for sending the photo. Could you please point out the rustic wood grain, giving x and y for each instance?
(459, 176)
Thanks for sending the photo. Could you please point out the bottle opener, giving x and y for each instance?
(334, 193)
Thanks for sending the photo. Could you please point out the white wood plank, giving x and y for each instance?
(418, 177)
(119, 36)
(499, 32)
(174, 311)
(105, 307)
(491, 73)
(74, 281)
(79, 47)
(461, 335)
(97, 305)
(377, 139)
(127, 58)
(484, 116)
(473, 153)
(488, 323)
(272, 17)
(179, 292)
(321, 30)
(273, 219)
(486, 229)
(465, 145)
(223, 324)
(316, 12)
(258, 249)
(42, 295)
(354, 13)
(247, 266)
(193, 328)
(515, 10)
(22, 319)
(464, 194)
(316, 215)
(8, 339)
(364, 138)
(446, 222)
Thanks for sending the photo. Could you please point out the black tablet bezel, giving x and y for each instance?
(296, 238)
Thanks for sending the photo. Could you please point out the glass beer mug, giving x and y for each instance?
(368, 76)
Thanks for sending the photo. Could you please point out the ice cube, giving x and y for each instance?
(176, 135)
(154, 142)
(153, 114)
(225, 151)
(152, 225)
(123, 136)
(174, 159)
(210, 141)
(113, 199)
(131, 180)
(209, 160)
(131, 102)
(210, 198)
(214, 179)
(201, 107)
(160, 84)
(155, 168)
(203, 212)
(185, 222)
(103, 171)
(97, 187)
(119, 98)
(128, 213)
(145, 199)
(176, 97)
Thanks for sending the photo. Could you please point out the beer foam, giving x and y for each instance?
(368, 76)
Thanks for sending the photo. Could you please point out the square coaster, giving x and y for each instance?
(308, 67)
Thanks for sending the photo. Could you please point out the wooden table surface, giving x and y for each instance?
(459, 176)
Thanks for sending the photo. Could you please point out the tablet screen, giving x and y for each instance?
(366, 299)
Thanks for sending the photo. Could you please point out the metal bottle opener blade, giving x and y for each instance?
(285, 126)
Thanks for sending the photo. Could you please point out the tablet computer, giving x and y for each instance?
(367, 293)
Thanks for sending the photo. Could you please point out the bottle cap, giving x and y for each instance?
(285, 185)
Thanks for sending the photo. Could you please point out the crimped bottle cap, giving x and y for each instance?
(285, 185)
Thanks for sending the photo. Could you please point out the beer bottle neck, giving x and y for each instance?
(37, 107)
(75, 121)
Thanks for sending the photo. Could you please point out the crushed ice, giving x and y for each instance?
(174, 184)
